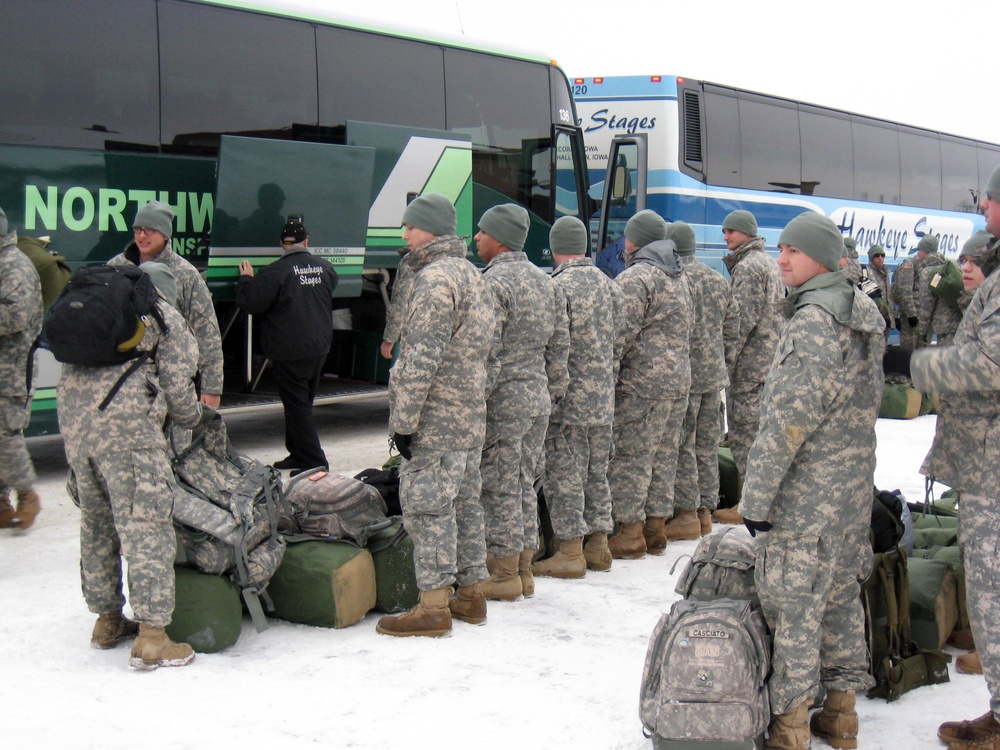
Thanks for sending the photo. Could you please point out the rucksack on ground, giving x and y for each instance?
(386, 481)
(99, 318)
(946, 283)
(226, 513)
(704, 679)
(329, 506)
(722, 565)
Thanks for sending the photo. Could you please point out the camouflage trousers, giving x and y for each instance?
(125, 509)
(743, 419)
(439, 494)
(16, 469)
(638, 430)
(660, 499)
(978, 533)
(810, 591)
(576, 479)
(697, 482)
(907, 334)
(512, 459)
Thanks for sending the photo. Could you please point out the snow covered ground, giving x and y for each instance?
(560, 670)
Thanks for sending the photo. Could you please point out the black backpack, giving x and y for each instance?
(98, 319)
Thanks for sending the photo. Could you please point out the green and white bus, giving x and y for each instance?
(239, 113)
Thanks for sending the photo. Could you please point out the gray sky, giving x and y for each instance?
(886, 59)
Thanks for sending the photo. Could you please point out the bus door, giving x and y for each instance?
(624, 188)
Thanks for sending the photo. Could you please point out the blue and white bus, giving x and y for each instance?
(694, 151)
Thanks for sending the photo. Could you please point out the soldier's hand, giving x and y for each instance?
(754, 526)
(913, 321)
(402, 443)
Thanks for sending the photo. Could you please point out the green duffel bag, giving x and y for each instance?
(933, 602)
(953, 557)
(395, 576)
(925, 537)
(327, 584)
(900, 401)
(208, 613)
(729, 479)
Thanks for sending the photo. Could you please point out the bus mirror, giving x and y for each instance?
(621, 185)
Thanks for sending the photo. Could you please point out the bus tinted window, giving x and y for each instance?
(96, 81)
(722, 140)
(876, 162)
(920, 169)
(233, 72)
(769, 141)
(408, 76)
(958, 163)
(827, 154)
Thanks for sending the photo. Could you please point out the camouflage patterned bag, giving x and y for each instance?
(722, 566)
(704, 681)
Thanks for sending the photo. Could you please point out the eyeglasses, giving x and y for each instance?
(144, 231)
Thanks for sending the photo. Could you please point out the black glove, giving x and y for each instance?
(402, 443)
(896, 361)
(208, 414)
(754, 526)
(914, 322)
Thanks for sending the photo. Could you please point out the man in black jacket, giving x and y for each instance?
(292, 299)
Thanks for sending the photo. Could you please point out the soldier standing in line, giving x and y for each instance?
(153, 228)
(876, 271)
(904, 280)
(934, 316)
(122, 480)
(654, 378)
(527, 376)
(808, 486)
(438, 420)
(20, 324)
(578, 441)
(849, 260)
(758, 291)
(713, 344)
(968, 456)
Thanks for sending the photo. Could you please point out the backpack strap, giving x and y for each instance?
(139, 362)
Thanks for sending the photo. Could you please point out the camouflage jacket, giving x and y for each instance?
(758, 290)
(136, 416)
(881, 278)
(531, 341)
(966, 450)
(936, 316)
(20, 317)
(437, 387)
(854, 271)
(397, 302)
(716, 326)
(657, 317)
(593, 307)
(904, 288)
(811, 467)
(194, 302)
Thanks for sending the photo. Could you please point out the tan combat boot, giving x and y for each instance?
(153, 648)
(790, 730)
(596, 552)
(628, 543)
(727, 515)
(504, 584)
(654, 535)
(28, 506)
(469, 605)
(6, 513)
(567, 562)
(524, 572)
(985, 729)
(111, 629)
(969, 663)
(837, 721)
(705, 520)
(431, 617)
(684, 525)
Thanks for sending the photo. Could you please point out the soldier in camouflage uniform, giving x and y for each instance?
(397, 306)
(808, 486)
(20, 324)
(934, 315)
(654, 379)
(967, 457)
(877, 273)
(849, 260)
(904, 280)
(758, 291)
(528, 375)
(122, 481)
(438, 420)
(153, 227)
(578, 441)
(713, 346)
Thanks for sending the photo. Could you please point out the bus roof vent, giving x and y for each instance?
(692, 130)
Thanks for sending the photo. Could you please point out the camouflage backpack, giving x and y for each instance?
(226, 512)
(722, 566)
(704, 680)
